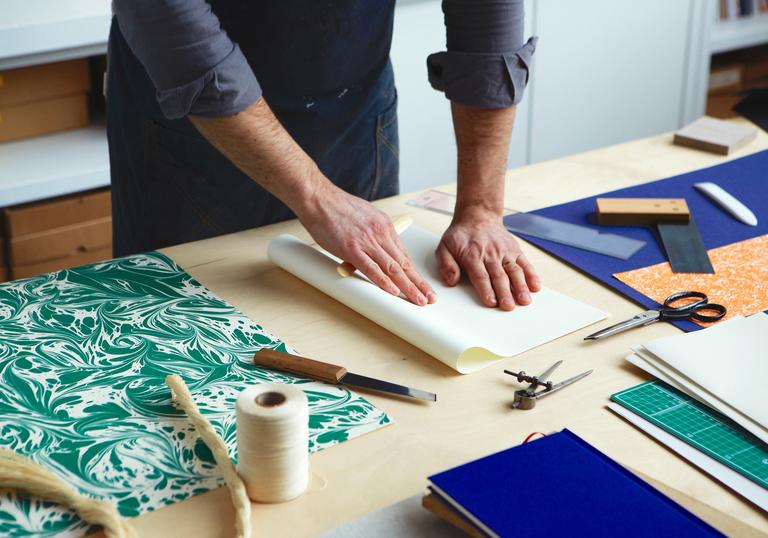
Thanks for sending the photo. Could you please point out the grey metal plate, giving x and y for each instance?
(573, 235)
(685, 248)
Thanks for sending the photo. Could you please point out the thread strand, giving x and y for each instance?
(218, 448)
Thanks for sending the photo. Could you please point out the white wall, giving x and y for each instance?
(427, 146)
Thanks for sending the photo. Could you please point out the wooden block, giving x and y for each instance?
(641, 211)
(61, 243)
(43, 117)
(34, 269)
(40, 82)
(45, 216)
(714, 135)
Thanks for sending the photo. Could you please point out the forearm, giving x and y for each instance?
(256, 142)
(482, 139)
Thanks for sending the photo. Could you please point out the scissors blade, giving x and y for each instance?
(649, 316)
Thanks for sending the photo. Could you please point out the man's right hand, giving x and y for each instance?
(359, 233)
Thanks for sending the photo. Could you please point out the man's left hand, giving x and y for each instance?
(491, 258)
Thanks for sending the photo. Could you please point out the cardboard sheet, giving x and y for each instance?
(458, 330)
(83, 358)
(744, 178)
(740, 282)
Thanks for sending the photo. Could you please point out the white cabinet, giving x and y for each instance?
(605, 71)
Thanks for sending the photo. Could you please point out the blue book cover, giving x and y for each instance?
(561, 485)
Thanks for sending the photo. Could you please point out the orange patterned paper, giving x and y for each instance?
(740, 282)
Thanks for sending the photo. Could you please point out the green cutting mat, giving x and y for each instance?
(699, 426)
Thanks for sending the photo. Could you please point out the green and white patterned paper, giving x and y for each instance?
(83, 358)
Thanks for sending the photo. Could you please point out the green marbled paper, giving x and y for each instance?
(83, 358)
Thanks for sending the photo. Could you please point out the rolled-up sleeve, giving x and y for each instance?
(487, 65)
(195, 67)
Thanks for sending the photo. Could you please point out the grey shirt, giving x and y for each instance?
(198, 69)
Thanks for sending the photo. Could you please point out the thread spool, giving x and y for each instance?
(273, 442)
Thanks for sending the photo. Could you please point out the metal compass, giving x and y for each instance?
(526, 398)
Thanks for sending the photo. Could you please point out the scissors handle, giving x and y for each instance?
(692, 309)
(669, 302)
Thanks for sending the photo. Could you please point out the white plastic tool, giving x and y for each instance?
(728, 202)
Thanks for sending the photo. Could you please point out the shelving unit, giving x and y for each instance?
(41, 31)
(739, 33)
(53, 165)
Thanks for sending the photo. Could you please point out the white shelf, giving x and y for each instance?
(739, 33)
(40, 31)
(53, 165)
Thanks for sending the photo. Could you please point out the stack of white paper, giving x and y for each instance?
(724, 366)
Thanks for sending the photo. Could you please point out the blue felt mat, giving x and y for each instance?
(745, 178)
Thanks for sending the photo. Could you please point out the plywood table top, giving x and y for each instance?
(472, 417)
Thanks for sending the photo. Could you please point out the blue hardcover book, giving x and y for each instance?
(562, 486)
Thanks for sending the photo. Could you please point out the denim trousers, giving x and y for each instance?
(170, 186)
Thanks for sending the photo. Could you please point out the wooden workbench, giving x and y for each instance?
(472, 417)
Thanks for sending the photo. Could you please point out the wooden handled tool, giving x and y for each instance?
(400, 224)
(322, 371)
(331, 373)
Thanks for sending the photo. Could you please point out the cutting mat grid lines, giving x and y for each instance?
(700, 426)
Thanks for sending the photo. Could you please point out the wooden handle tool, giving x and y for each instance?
(400, 224)
(330, 373)
(285, 362)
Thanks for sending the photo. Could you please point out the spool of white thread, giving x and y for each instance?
(273, 441)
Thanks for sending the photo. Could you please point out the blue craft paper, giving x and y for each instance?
(562, 486)
(745, 178)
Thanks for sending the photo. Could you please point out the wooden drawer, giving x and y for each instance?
(41, 82)
(61, 243)
(43, 117)
(3, 274)
(44, 216)
(34, 269)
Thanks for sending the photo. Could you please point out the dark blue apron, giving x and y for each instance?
(324, 69)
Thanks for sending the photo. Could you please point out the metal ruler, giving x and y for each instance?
(555, 230)
(700, 426)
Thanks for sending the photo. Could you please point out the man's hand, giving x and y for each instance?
(491, 258)
(477, 242)
(359, 233)
(344, 225)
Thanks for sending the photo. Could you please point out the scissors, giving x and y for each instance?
(674, 307)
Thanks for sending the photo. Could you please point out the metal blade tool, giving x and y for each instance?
(331, 373)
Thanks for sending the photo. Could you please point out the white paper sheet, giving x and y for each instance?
(458, 330)
(657, 368)
(737, 482)
(730, 361)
